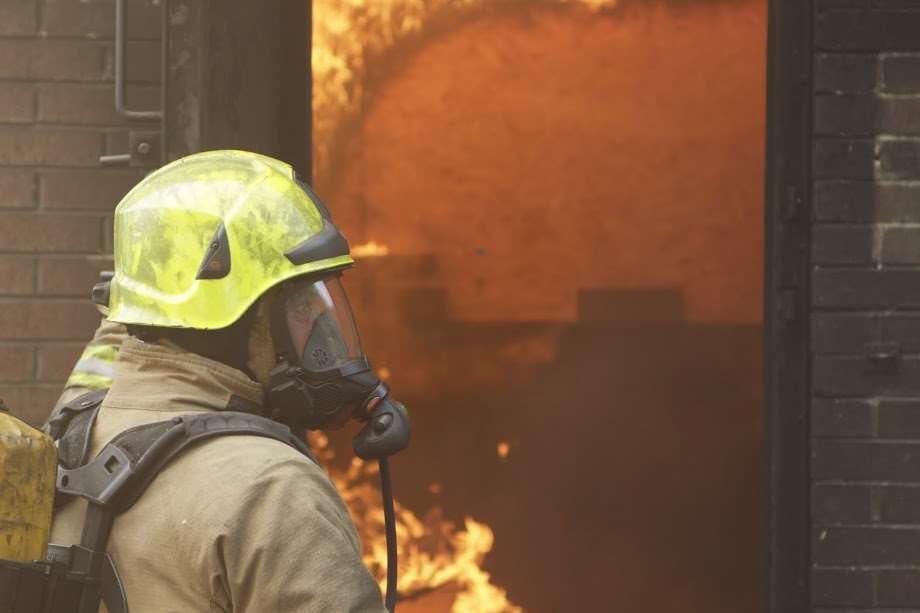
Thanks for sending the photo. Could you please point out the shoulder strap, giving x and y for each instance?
(72, 425)
(114, 480)
(124, 468)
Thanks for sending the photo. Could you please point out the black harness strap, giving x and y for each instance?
(39, 587)
(71, 426)
(131, 461)
(112, 482)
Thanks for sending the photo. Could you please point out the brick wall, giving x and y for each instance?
(865, 420)
(56, 118)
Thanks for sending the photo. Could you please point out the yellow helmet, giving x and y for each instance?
(198, 241)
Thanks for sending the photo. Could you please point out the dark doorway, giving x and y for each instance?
(566, 210)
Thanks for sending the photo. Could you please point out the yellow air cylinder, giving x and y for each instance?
(28, 467)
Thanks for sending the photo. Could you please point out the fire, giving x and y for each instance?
(349, 33)
(503, 449)
(370, 249)
(348, 37)
(433, 553)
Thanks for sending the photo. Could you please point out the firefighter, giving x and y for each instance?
(227, 283)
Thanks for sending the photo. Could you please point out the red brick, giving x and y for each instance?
(86, 189)
(50, 60)
(17, 189)
(97, 19)
(71, 320)
(17, 275)
(50, 232)
(108, 234)
(78, 103)
(32, 403)
(116, 142)
(56, 360)
(49, 147)
(16, 363)
(70, 276)
(17, 17)
(17, 103)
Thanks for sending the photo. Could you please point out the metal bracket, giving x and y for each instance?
(145, 146)
(144, 150)
(99, 480)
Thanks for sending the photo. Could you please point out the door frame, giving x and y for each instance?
(787, 359)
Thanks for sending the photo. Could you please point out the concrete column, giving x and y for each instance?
(238, 76)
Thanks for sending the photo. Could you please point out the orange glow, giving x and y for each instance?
(433, 553)
(346, 35)
(554, 183)
(586, 180)
(370, 249)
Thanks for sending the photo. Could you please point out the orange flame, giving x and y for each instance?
(346, 34)
(370, 249)
(433, 553)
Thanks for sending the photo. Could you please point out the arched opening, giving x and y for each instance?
(571, 207)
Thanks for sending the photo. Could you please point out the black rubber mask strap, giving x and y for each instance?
(281, 335)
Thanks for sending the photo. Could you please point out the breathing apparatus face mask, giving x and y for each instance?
(321, 326)
(322, 377)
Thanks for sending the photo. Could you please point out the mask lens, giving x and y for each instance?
(321, 325)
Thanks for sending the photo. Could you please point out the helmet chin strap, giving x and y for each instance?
(303, 399)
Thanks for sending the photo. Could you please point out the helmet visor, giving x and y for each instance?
(321, 325)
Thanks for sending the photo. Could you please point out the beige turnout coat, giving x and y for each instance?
(238, 523)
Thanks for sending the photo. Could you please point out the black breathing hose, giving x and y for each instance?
(389, 516)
